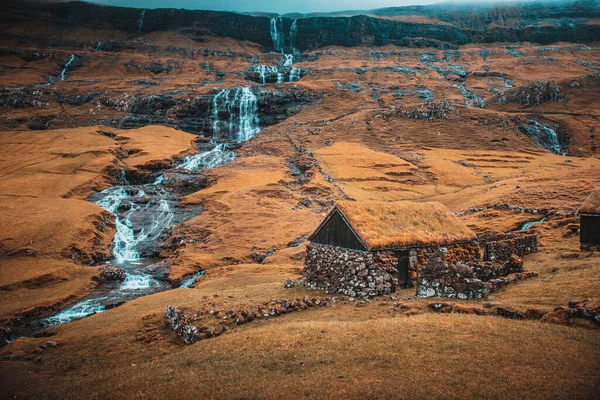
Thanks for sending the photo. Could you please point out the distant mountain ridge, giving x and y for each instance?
(444, 25)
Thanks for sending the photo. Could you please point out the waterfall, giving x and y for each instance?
(277, 33)
(129, 234)
(293, 33)
(265, 71)
(63, 74)
(543, 135)
(187, 283)
(288, 60)
(141, 20)
(241, 107)
(295, 74)
(99, 46)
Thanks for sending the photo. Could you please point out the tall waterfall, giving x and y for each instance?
(63, 74)
(141, 20)
(277, 33)
(239, 106)
(293, 33)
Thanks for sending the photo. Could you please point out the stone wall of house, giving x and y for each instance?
(437, 278)
(502, 250)
(473, 280)
(464, 252)
(350, 272)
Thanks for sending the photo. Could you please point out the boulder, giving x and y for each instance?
(112, 273)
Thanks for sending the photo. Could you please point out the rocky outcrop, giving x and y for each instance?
(184, 181)
(533, 94)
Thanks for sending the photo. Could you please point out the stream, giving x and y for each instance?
(145, 211)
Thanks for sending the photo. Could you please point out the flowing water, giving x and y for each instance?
(293, 34)
(144, 211)
(235, 115)
(264, 71)
(141, 20)
(528, 225)
(295, 74)
(63, 74)
(277, 33)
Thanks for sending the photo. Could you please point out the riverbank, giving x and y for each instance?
(51, 233)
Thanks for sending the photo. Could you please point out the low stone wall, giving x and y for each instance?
(504, 249)
(223, 321)
(486, 271)
(350, 272)
(438, 278)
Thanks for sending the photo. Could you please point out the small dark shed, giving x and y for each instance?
(589, 215)
(370, 248)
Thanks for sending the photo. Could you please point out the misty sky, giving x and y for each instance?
(273, 6)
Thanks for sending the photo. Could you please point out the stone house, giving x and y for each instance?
(589, 214)
(371, 248)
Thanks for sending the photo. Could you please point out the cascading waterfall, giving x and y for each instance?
(141, 20)
(264, 71)
(277, 33)
(144, 211)
(63, 74)
(288, 60)
(241, 106)
(295, 74)
(99, 46)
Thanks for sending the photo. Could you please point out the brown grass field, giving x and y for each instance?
(357, 144)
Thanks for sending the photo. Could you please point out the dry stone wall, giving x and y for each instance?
(438, 278)
(350, 272)
(503, 249)
(464, 252)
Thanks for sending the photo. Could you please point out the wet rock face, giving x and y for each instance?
(353, 273)
(366, 31)
(192, 114)
(274, 74)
